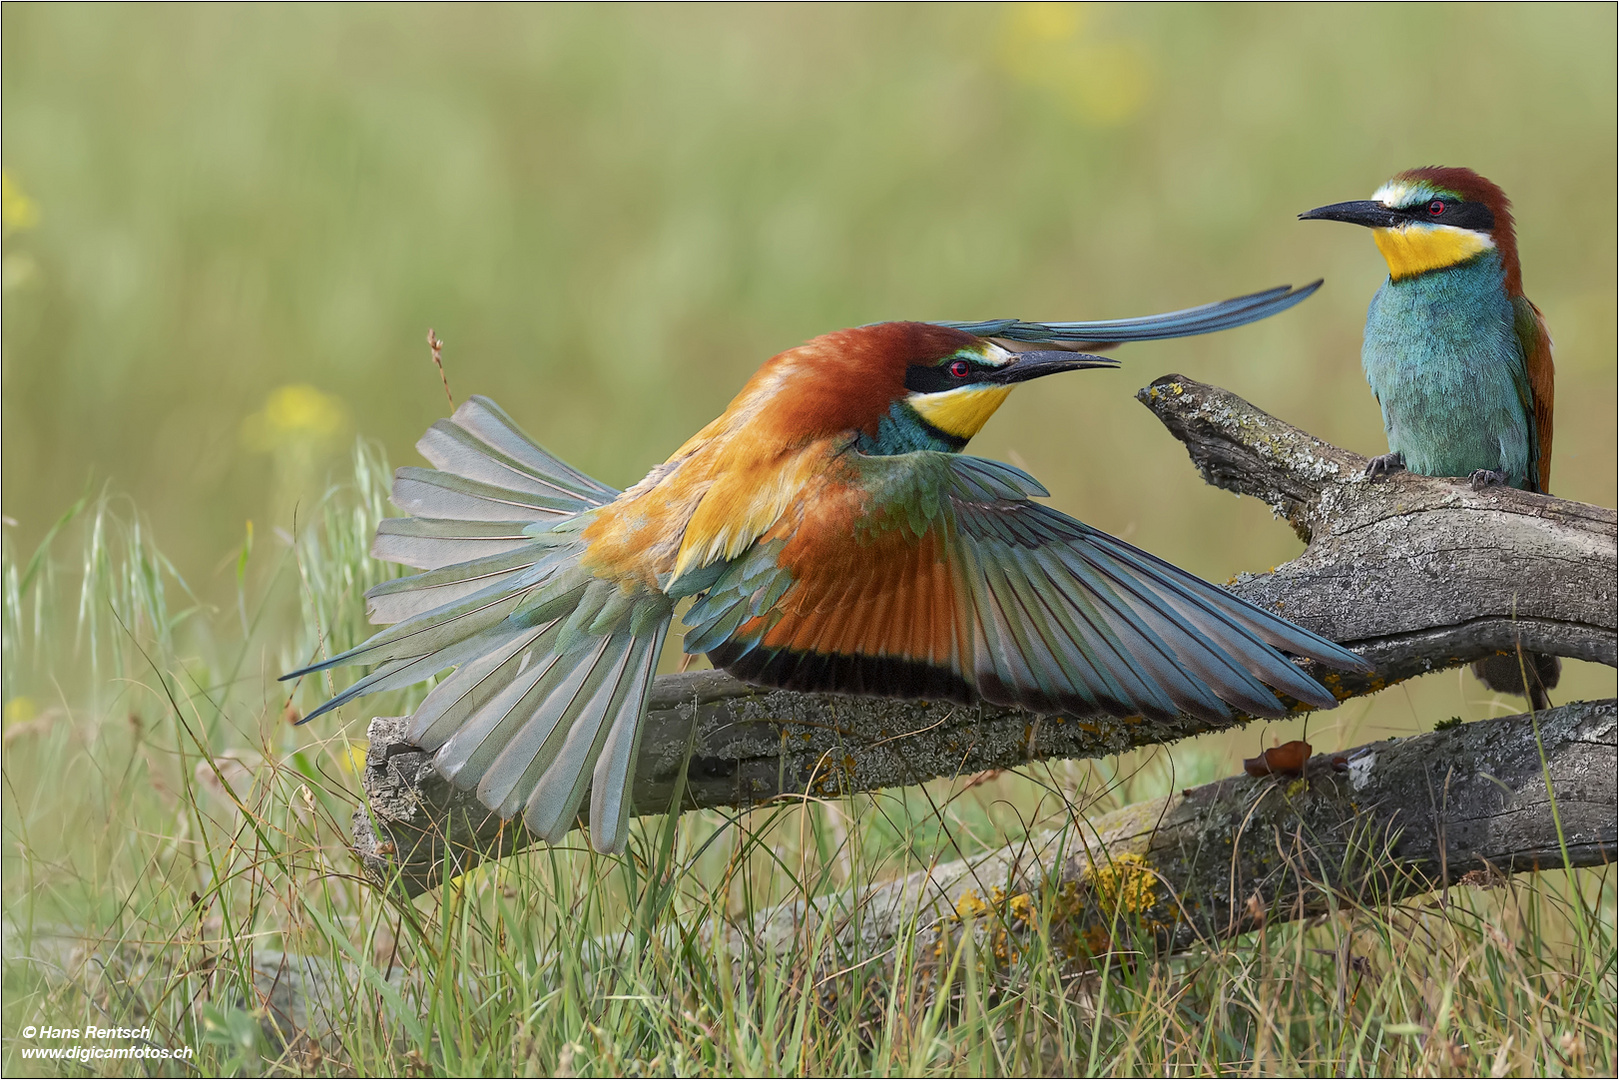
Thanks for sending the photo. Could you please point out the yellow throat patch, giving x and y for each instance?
(960, 412)
(1416, 249)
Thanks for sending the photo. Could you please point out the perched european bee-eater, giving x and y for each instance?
(833, 537)
(1459, 359)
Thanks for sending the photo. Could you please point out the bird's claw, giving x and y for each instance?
(1483, 478)
(1384, 464)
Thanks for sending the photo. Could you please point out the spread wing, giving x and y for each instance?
(1204, 319)
(1537, 353)
(933, 575)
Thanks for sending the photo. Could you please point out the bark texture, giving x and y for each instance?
(1416, 573)
(1409, 570)
(1362, 827)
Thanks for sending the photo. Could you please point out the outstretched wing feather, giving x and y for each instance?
(1203, 319)
(1023, 605)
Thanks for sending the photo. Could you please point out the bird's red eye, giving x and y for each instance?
(1436, 207)
(959, 369)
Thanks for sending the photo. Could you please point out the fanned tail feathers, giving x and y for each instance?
(552, 665)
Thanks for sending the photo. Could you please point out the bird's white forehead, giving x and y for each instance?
(1399, 194)
(995, 354)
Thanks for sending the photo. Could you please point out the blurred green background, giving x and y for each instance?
(229, 228)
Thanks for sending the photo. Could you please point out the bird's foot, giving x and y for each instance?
(1483, 478)
(1384, 464)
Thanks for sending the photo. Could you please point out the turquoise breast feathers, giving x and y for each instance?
(1445, 362)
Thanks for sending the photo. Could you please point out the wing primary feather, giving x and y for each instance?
(1240, 650)
(1233, 662)
(1084, 652)
(1039, 595)
(1022, 637)
(1002, 666)
(1122, 642)
(1270, 628)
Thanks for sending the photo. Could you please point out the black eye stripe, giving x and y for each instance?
(1457, 212)
(932, 378)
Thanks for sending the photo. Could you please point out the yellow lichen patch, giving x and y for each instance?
(1022, 909)
(997, 912)
(1297, 787)
(1334, 682)
(970, 906)
(1068, 900)
(1125, 883)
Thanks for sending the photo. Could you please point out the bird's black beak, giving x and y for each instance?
(1373, 215)
(1032, 365)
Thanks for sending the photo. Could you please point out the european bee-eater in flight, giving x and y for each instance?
(1458, 357)
(832, 536)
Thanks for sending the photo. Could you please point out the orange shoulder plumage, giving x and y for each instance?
(733, 480)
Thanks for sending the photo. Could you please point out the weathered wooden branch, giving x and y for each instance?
(1368, 826)
(1465, 805)
(1417, 574)
(1395, 819)
(1412, 571)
